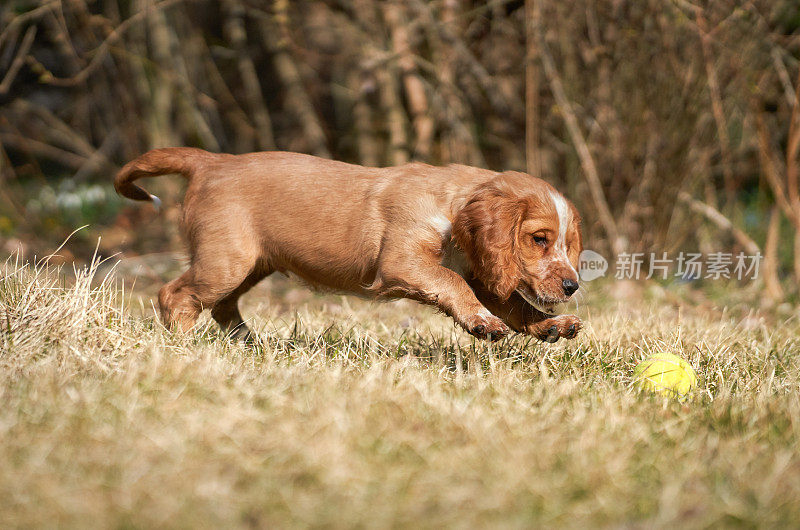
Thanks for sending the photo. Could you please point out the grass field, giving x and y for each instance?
(383, 415)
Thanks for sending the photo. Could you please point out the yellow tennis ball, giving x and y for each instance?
(665, 374)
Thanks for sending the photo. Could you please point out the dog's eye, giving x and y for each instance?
(540, 240)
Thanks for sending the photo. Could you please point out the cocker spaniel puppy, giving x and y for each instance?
(492, 250)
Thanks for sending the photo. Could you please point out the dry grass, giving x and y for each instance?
(352, 414)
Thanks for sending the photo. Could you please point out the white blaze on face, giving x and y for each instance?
(564, 220)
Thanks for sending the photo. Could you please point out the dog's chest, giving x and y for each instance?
(452, 256)
(454, 259)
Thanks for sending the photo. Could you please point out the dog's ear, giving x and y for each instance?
(486, 229)
(574, 256)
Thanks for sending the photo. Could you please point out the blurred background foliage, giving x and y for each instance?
(673, 125)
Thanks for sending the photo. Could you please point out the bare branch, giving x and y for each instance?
(101, 51)
(19, 59)
(722, 222)
(236, 34)
(587, 162)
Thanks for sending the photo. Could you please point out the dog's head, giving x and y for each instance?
(522, 235)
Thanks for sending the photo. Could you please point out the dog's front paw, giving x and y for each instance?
(485, 325)
(551, 329)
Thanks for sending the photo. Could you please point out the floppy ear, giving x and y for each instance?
(486, 229)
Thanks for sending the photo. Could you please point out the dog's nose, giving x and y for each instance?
(570, 286)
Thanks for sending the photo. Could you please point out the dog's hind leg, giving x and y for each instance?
(215, 277)
(226, 311)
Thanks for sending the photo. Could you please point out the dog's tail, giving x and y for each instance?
(181, 160)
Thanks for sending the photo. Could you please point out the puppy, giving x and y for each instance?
(495, 251)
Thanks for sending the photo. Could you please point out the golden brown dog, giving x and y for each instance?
(492, 250)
